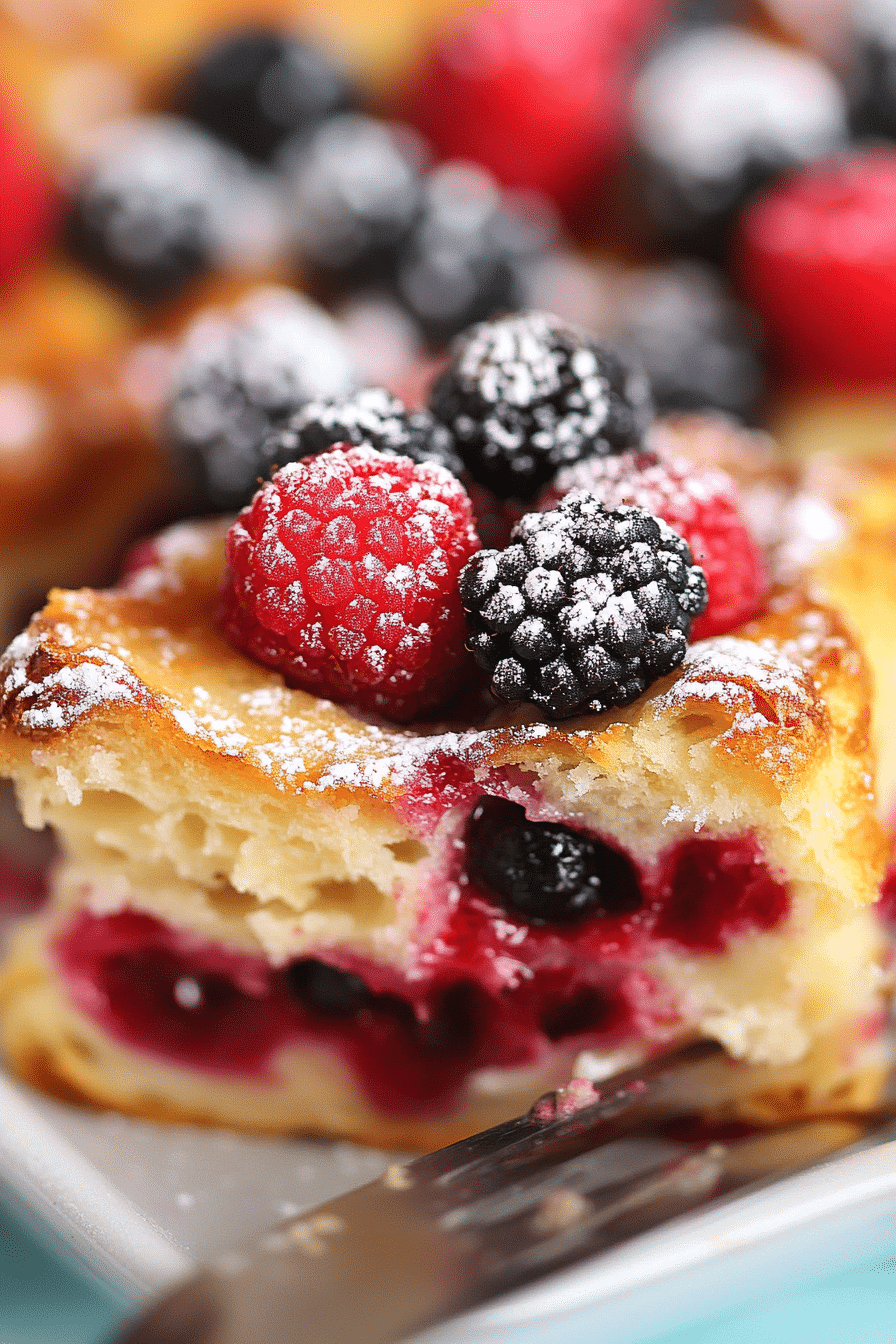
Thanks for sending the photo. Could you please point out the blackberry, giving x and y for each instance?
(256, 87)
(719, 113)
(326, 990)
(527, 394)
(584, 609)
(371, 418)
(159, 205)
(469, 254)
(543, 871)
(235, 380)
(698, 347)
(354, 190)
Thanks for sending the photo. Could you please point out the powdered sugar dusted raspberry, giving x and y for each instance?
(700, 504)
(343, 576)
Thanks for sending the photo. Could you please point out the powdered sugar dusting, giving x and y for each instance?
(757, 683)
(67, 693)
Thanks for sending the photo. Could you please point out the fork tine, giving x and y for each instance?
(558, 1127)
(566, 1224)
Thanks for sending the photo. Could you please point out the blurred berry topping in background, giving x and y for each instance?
(238, 376)
(527, 394)
(719, 113)
(699, 348)
(471, 252)
(159, 202)
(28, 214)
(256, 87)
(354, 192)
(871, 77)
(817, 257)
(534, 91)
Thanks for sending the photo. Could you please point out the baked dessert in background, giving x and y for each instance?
(282, 913)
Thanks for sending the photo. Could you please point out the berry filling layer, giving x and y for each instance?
(543, 950)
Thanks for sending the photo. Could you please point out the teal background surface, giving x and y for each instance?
(46, 1299)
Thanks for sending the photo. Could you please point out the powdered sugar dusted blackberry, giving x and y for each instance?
(240, 375)
(525, 395)
(371, 418)
(586, 607)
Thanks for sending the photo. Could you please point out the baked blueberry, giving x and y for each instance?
(326, 990)
(544, 872)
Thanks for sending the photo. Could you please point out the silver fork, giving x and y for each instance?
(456, 1228)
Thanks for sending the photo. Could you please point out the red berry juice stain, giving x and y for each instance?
(488, 990)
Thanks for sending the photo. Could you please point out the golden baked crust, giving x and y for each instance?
(186, 781)
(827, 522)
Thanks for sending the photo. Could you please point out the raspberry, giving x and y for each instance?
(254, 88)
(343, 576)
(585, 608)
(534, 91)
(721, 112)
(372, 418)
(700, 504)
(27, 199)
(817, 259)
(526, 394)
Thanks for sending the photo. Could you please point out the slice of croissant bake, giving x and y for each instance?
(274, 914)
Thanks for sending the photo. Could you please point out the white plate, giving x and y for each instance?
(140, 1203)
